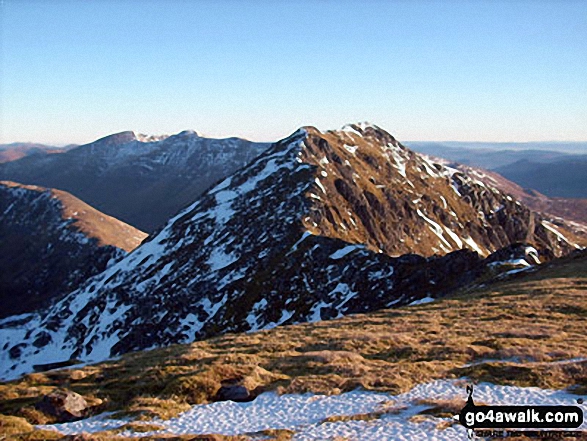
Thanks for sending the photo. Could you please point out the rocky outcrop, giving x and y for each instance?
(233, 390)
(64, 405)
(370, 189)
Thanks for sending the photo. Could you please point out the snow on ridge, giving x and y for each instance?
(339, 254)
(437, 230)
(136, 270)
(141, 137)
(348, 128)
(350, 148)
(422, 301)
(469, 241)
(399, 159)
(550, 227)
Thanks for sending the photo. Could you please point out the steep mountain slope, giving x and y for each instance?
(139, 179)
(572, 211)
(563, 178)
(17, 150)
(373, 190)
(51, 242)
(306, 232)
(527, 330)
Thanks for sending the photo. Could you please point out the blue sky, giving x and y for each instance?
(73, 71)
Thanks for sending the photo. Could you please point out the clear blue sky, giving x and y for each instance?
(73, 71)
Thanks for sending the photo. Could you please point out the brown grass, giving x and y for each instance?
(527, 323)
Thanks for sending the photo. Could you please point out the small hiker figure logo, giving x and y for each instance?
(469, 407)
(526, 417)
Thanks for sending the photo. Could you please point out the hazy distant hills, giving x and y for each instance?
(50, 242)
(138, 179)
(565, 177)
(322, 224)
(554, 169)
(573, 210)
(17, 150)
(464, 147)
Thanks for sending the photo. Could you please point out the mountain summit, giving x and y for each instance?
(320, 225)
(140, 179)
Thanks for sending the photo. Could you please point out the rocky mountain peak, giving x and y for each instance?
(141, 137)
(118, 138)
(370, 189)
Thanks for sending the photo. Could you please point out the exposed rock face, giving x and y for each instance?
(141, 180)
(370, 189)
(315, 228)
(66, 405)
(572, 213)
(51, 242)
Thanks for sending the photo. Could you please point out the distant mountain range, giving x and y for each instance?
(138, 179)
(50, 243)
(554, 169)
(557, 147)
(318, 226)
(17, 150)
(565, 177)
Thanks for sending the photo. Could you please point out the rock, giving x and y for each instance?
(232, 390)
(63, 404)
(56, 365)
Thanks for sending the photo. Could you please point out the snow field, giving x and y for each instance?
(307, 414)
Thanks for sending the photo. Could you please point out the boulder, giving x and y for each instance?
(63, 404)
(233, 390)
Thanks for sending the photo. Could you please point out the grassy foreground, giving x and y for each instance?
(525, 322)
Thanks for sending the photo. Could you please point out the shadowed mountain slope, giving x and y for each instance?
(565, 178)
(142, 180)
(527, 330)
(51, 242)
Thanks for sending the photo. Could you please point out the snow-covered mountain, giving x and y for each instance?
(51, 242)
(142, 180)
(320, 225)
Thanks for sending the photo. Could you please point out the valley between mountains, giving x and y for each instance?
(323, 263)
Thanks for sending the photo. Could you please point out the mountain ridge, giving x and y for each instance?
(142, 180)
(17, 150)
(266, 246)
(50, 242)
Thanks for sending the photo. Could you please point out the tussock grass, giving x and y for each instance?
(507, 333)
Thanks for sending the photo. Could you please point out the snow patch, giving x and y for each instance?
(550, 227)
(339, 254)
(218, 259)
(305, 414)
(469, 241)
(422, 301)
(350, 148)
(436, 229)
